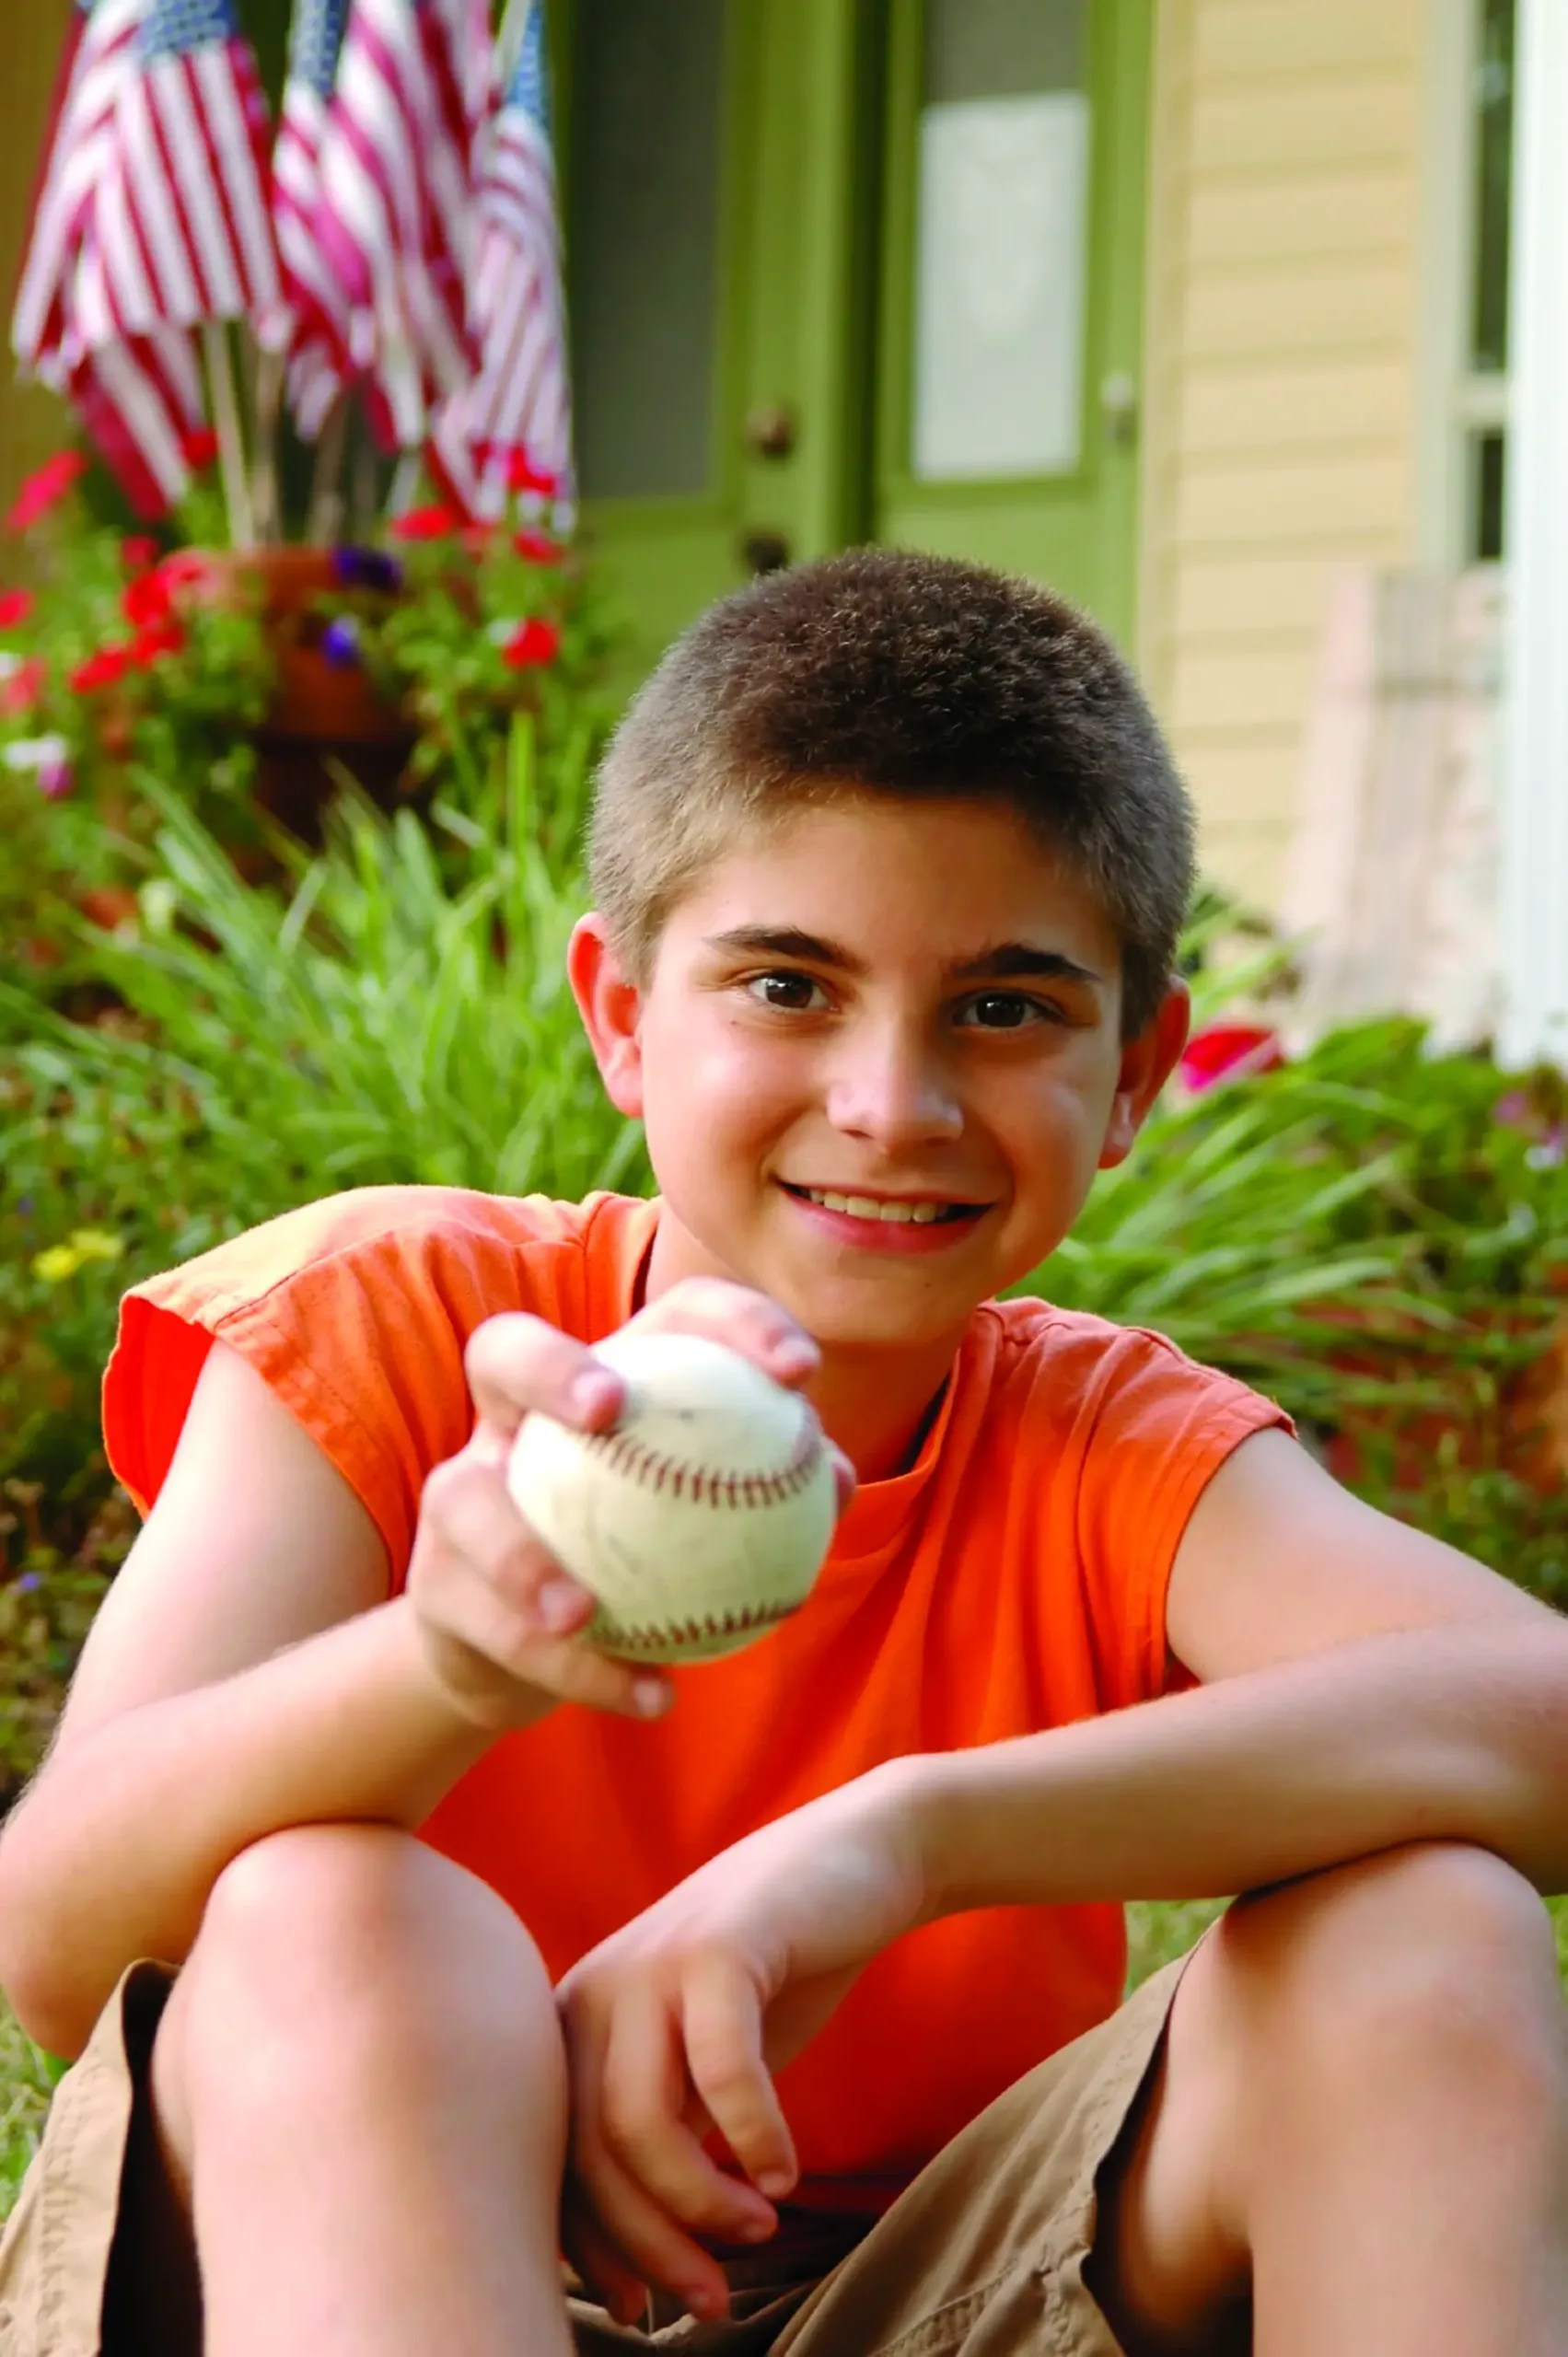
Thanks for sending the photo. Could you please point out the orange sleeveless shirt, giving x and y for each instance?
(1012, 1580)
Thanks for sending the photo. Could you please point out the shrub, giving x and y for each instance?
(380, 1020)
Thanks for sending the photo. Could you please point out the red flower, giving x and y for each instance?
(102, 669)
(20, 692)
(1227, 1051)
(537, 547)
(139, 551)
(45, 489)
(186, 567)
(536, 642)
(200, 450)
(146, 600)
(157, 638)
(477, 537)
(15, 605)
(425, 524)
(523, 475)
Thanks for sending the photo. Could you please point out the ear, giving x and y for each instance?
(611, 1008)
(1147, 1063)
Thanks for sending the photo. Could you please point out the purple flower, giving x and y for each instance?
(367, 569)
(28, 1581)
(56, 781)
(340, 643)
(1514, 1110)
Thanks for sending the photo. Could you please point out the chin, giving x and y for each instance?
(838, 1321)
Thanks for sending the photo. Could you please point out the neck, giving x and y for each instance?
(880, 1405)
(876, 1401)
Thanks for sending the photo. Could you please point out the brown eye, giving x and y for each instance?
(792, 993)
(1006, 1010)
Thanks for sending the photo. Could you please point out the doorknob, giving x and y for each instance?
(1119, 406)
(770, 431)
(765, 551)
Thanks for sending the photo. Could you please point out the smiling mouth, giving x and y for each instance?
(926, 1214)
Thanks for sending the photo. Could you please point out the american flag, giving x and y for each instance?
(183, 216)
(394, 217)
(319, 330)
(519, 405)
(97, 49)
(139, 396)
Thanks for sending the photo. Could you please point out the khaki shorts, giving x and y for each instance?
(985, 2251)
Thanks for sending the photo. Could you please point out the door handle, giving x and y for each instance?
(1119, 406)
(765, 552)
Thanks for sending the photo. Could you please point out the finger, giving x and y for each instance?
(467, 1511)
(513, 1363)
(503, 1593)
(642, 2237)
(748, 1322)
(648, 2245)
(511, 1637)
(643, 2113)
(603, 2271)
(722, 2031)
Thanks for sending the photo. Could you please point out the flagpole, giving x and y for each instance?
(326, 519)
(270, 368)
(231, 446)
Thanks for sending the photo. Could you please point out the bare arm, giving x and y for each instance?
(1364, 1686)
(244, 1674)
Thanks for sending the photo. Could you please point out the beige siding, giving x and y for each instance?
(1282, 375)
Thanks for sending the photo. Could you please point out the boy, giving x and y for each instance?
(788, 2011)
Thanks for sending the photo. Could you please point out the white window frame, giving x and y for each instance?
(1456, 402)
(1534, 814)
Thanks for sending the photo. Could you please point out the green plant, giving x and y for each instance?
(47, 1604)
(168, 656)
(379, 1021)
(481, 622)
(114, 658)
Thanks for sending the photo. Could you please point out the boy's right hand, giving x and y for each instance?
(500, 1621)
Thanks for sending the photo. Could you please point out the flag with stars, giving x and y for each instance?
(319, 328)
(515, 417)
(139, 396)
(183, 213)
(394, 218)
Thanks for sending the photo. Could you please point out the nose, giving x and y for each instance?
(892, 1087)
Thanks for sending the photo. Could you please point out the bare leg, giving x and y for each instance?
(1360, 2129)
(358, 2115)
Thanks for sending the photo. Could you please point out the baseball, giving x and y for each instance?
(700, 1519)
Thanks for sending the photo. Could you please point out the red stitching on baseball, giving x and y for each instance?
(652, 1469)
(639, 1638)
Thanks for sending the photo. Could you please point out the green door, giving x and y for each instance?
(1011, 252)
(841, 269)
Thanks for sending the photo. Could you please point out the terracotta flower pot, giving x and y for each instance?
(325, 715)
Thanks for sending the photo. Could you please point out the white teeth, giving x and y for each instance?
(867, 1207)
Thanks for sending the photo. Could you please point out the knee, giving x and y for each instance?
(320, 1928)
(1435, 1957)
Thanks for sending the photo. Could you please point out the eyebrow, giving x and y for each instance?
(1005, 962)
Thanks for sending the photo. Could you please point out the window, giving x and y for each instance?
(1483, 391)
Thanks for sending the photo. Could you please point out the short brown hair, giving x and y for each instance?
(904, 675)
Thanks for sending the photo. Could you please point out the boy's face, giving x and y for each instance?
(881, 1008)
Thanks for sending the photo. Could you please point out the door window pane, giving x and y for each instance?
(1494, 181)
(644, 243)
(1000, 241)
